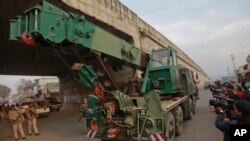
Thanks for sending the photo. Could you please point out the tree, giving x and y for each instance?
(25, 84)
(4, 91)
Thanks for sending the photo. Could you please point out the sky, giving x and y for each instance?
(208, 31)
(12, 80)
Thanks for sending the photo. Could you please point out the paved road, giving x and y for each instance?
(64, 126)
(201, 127)
(59, 126)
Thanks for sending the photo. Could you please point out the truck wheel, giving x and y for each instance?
(178, 121)
(190, 109)
(170, 128)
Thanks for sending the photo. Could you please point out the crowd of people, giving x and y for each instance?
(13, 115)
(240, 111)
(230, 90)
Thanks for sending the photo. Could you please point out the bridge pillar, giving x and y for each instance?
(72, 90)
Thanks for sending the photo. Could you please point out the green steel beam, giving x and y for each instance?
(56, 26)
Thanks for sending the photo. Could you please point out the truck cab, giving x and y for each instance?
(162, 72)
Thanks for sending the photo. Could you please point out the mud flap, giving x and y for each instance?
(91, 134)
(158, 136)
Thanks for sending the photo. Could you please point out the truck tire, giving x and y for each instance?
(178, 121)
(190, 109)
(170, 128)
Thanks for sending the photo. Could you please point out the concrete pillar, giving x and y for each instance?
(72, 91)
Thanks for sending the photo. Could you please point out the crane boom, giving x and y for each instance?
(58, 27)
(47, 24)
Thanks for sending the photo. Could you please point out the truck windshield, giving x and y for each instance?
(160, 58)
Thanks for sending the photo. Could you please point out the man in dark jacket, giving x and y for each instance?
(242, 116)
(245, 84)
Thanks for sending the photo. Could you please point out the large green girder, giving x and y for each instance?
(58, 27)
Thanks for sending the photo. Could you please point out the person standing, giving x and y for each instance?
(241, 112)
(16, 119)
(240, 92)
(245, 84)
(83, 109)
(32, 116)
(1, 112)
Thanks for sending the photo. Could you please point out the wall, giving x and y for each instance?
(114, 13)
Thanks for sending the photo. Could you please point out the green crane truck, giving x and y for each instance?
(150, 107)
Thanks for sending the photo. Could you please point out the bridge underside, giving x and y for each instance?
(18, 59)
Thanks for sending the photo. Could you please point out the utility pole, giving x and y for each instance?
(228, 71)
(233, 58)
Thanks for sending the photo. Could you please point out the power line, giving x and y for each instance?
(163, 8)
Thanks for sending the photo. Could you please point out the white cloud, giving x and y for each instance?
(208, 31)
(210, 44)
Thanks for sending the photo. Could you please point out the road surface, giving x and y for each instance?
(64, 126)
(201, 127)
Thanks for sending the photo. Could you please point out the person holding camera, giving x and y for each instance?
(245, 84)
(217, 88)
(242, 112)
(240, 92)
(240, 116)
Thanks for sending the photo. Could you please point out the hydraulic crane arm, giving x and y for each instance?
(48, 24)
(56, 26)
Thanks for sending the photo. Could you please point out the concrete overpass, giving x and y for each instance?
(18, 59)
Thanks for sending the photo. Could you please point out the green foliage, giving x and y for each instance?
(25, 84)
(4, 91)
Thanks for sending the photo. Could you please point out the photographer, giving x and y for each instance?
(226, 90)
(217, 89)
(240, 92)
(245, 84)
(230, 92)
(240, 115)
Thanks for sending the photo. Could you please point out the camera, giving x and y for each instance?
(217, 90)
(217, 103)
(225, 104)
